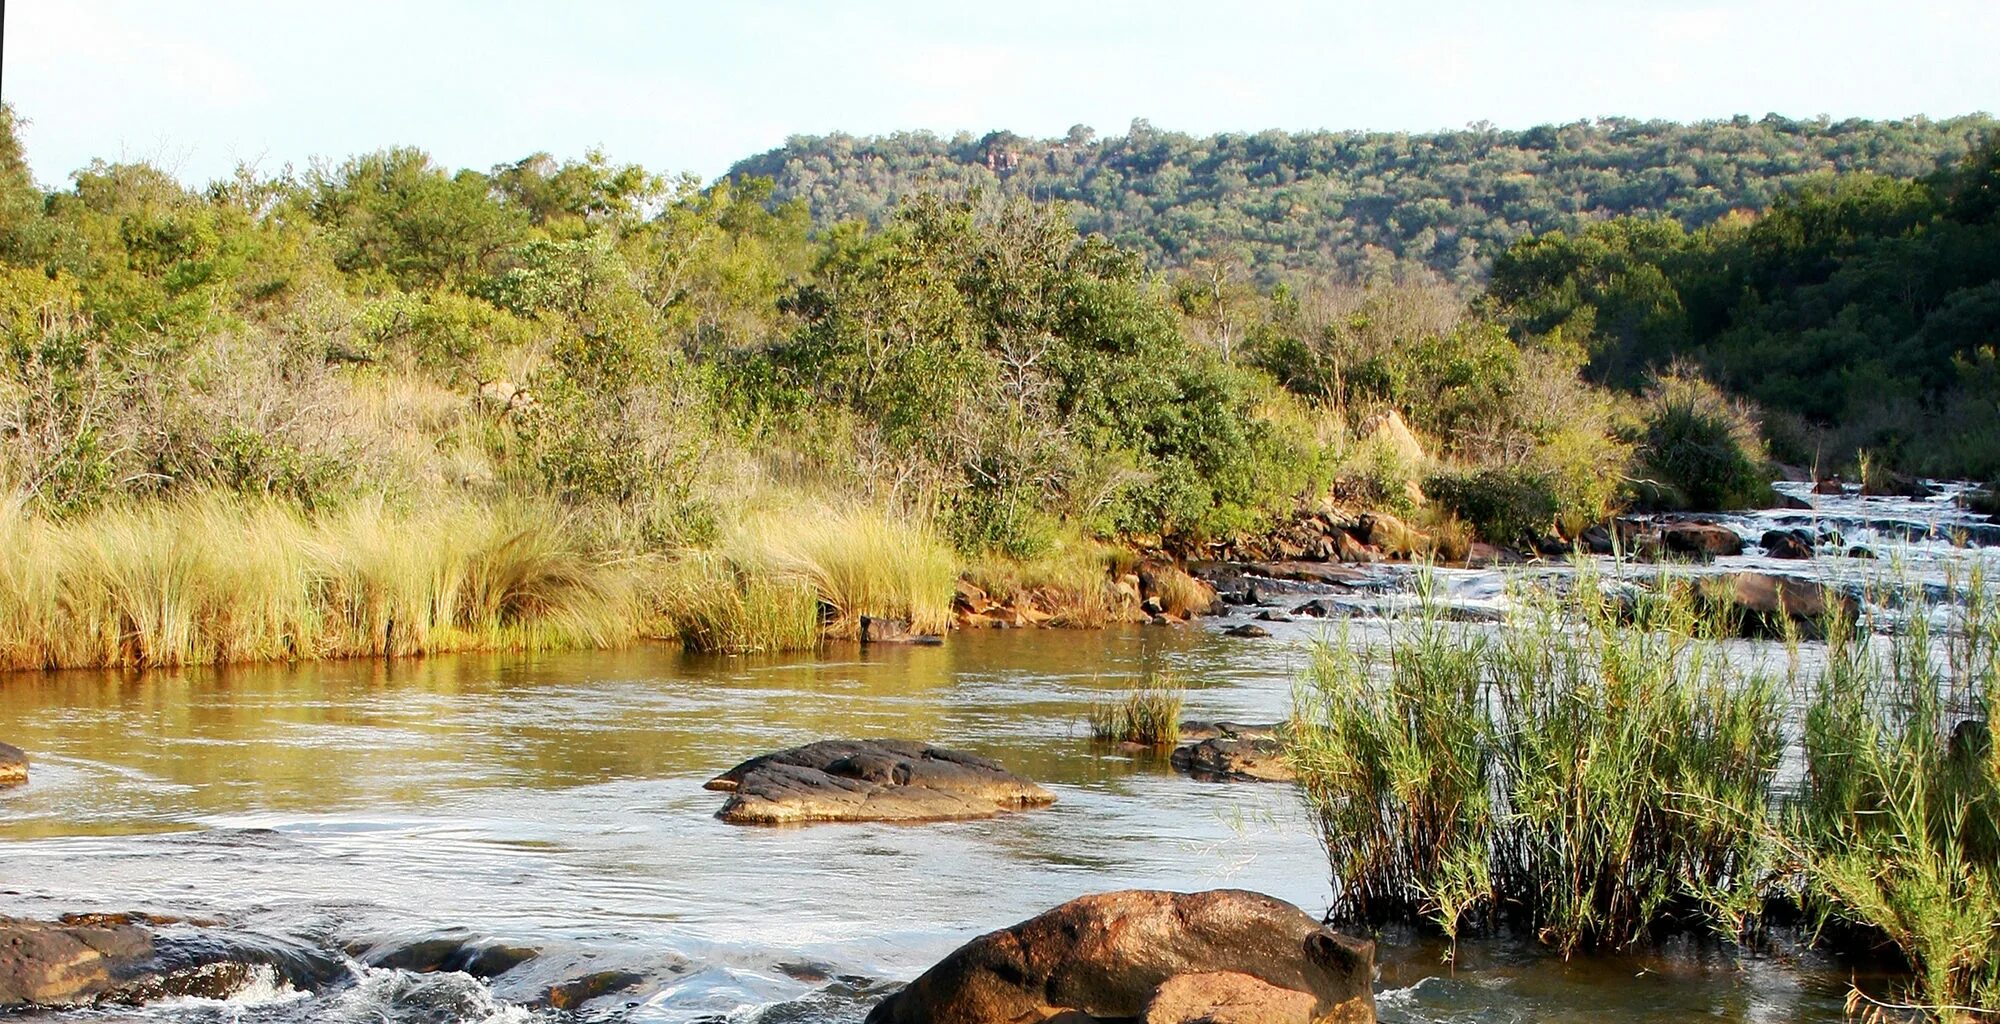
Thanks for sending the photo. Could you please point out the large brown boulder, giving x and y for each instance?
(13, 766)
(1703, 540)
(1234, 760)
(47, 964)
(1152, 956)
(871, 780)
(1232, 752)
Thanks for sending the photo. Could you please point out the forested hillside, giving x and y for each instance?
(1862, 312)
(1361, 205)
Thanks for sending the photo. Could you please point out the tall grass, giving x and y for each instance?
(1897, 829)
(1570, 775)
(1600, 768)
(1150, 713)
(211, 578)
(857, 561)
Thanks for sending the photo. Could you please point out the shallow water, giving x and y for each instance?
(555, 802)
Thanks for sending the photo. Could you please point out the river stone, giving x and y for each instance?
(13, 766)
(1117, 956)
(1194, 730)
(1226, 997)
(57, 964)
(1247, 631)
(1228, 759)
(1792, 544)
(871, 780)
(1704, 540)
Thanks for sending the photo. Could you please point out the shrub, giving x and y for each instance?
(1701, 448)
(1504, 506)
(1149, 714)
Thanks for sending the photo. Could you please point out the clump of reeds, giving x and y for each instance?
(713, 605)
(1072, 581)
(1570, 775)
(1149, 713)
(1180, 594)
(212, 578)
(858, 562)
(1897, 827)
(1600, 768)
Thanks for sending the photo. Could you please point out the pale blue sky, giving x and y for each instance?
(199, 85)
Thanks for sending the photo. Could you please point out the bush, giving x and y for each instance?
(1700, 449)
(1503, 506)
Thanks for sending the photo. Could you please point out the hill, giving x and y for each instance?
(1362, 205)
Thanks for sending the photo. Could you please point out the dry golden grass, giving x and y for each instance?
(211, 578)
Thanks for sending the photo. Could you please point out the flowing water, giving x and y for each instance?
(555, 803)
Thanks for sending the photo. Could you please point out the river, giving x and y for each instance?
(555, 802)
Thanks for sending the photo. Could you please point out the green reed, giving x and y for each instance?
(1149, 713)
(1583, 774)
(1894, 829)
(1602, 768)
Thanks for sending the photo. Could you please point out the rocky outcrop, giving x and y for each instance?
(1158, 957)
(13, 766)
(870, 780)
(1700, 540)
(1232, 752)
(1789, 544)
(53, 964)
(1223, 759)
(1247, 631)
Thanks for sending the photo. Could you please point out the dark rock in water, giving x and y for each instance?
(574, 993)
(1146, 956)
(871, 780)
(1269, 616)
(462, 953)
(1894, 485)
(44, 964)
(13, 766)
(1248, 631)
(1763, 602)
(1703, 540)
(1597, 541)
(1483, 555)
(1794, 502)
(1787, 544)
(1195, 730)
(1830, 486)
(219, 980)
(1222, 759)
(1324, 608)
(893, 631)
(1858, 551)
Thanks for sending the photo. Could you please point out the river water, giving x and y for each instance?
(555, 802)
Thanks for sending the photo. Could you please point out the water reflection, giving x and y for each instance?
(555, 801)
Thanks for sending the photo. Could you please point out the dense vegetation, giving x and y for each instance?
(687, 411)
(1863, 309)
(666, 409)
(1360, 206)
(1603, 770)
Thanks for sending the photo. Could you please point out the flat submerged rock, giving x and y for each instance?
(871, 780)
(13, 766)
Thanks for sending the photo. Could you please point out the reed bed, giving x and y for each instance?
(1600, 769)
(213, 578)
(857, 562)
(1149, 714)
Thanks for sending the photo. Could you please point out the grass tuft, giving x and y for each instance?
(1150, 713)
